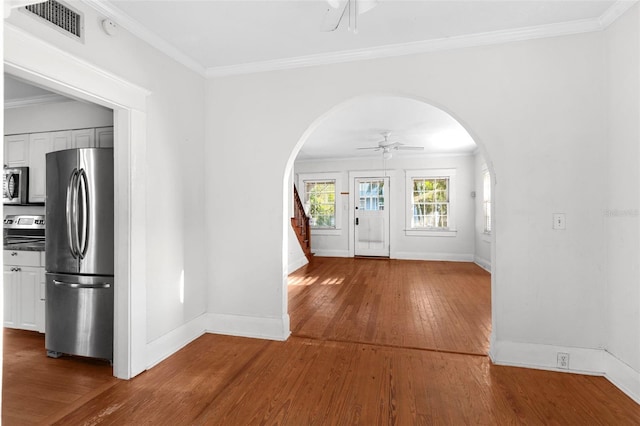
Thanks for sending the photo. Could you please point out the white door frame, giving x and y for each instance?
(32, 59)
(363, 215)
(353, 175)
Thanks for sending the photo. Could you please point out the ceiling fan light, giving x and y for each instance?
(387, 154)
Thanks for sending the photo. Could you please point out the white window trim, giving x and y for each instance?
(337, 177)
(451, 230)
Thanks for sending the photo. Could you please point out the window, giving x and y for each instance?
(486, 200)
(430, 203)
(430, 196)
(320, 203)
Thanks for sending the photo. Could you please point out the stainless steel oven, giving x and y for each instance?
(15, 185)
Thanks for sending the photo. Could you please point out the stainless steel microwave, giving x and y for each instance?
(15, 185)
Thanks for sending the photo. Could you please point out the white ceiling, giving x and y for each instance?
(218, 34)
(362, 122)
(218, 37)
(15, 90)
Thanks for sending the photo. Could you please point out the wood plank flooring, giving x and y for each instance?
(320, 377)
(38, 389)
(442, 306)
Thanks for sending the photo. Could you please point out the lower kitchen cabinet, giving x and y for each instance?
(24, 297)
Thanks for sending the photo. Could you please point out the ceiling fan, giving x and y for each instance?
(387, 146)
(336, 9)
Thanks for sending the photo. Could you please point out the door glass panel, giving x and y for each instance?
(371, 195)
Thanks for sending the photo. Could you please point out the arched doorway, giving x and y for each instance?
(449, 155)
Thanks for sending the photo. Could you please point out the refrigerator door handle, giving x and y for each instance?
(71, 213)
(83, 191)
(77, 285)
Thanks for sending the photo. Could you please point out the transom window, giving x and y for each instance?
(430, 202)
(320, 202)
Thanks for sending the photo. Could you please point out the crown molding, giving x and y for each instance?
(618, 9)
(35, 100)
(449, 43)
(600, 23)
(134, 27)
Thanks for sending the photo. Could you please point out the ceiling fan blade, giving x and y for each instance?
(409, 148)
(333, 15)
(375, 148)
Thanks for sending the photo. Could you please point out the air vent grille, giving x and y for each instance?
(59, 15)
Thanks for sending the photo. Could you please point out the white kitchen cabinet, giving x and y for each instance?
(39, 145)
(83, 138)
(104, 137)
(24, 295)
(22, 304)
(16, 151)
(60, 140)
(29, 150)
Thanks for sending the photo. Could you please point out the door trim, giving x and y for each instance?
(360, 174)
(34, 60)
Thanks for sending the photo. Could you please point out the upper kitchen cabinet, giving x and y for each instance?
(104, 137)
(16, 151)
(30, 150)
(39, 145)
(83, 138)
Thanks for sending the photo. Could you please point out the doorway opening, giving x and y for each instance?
(424, 210)
(73, 78)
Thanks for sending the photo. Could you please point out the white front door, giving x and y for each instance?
(371, 216)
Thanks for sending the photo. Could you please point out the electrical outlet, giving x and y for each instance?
(563, 360)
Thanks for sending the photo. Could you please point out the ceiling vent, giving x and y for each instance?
(60, 16)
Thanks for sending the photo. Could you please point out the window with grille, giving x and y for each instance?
(430, 202)
(371, 195)
(486, 200)
(320, 202)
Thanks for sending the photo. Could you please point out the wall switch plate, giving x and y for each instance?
(559, 221)
(563, 360)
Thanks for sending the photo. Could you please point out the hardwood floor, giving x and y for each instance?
(366, 349)
(443, 306)
(38, 389)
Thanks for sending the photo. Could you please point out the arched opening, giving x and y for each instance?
(428, 146)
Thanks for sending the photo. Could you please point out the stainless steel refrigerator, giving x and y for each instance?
(79, 253)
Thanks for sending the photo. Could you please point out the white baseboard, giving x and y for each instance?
(623, 376)
(483, 263)
(245, 326)
(447, 257)
(594, 362)
(295, 264)
(331, 253)
(175, 340)
(545, 357)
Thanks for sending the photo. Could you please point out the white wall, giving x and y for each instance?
(55, 116)
(622, 209)
(175, 167)
(537, 107)
(482, 253)
(458, 247)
